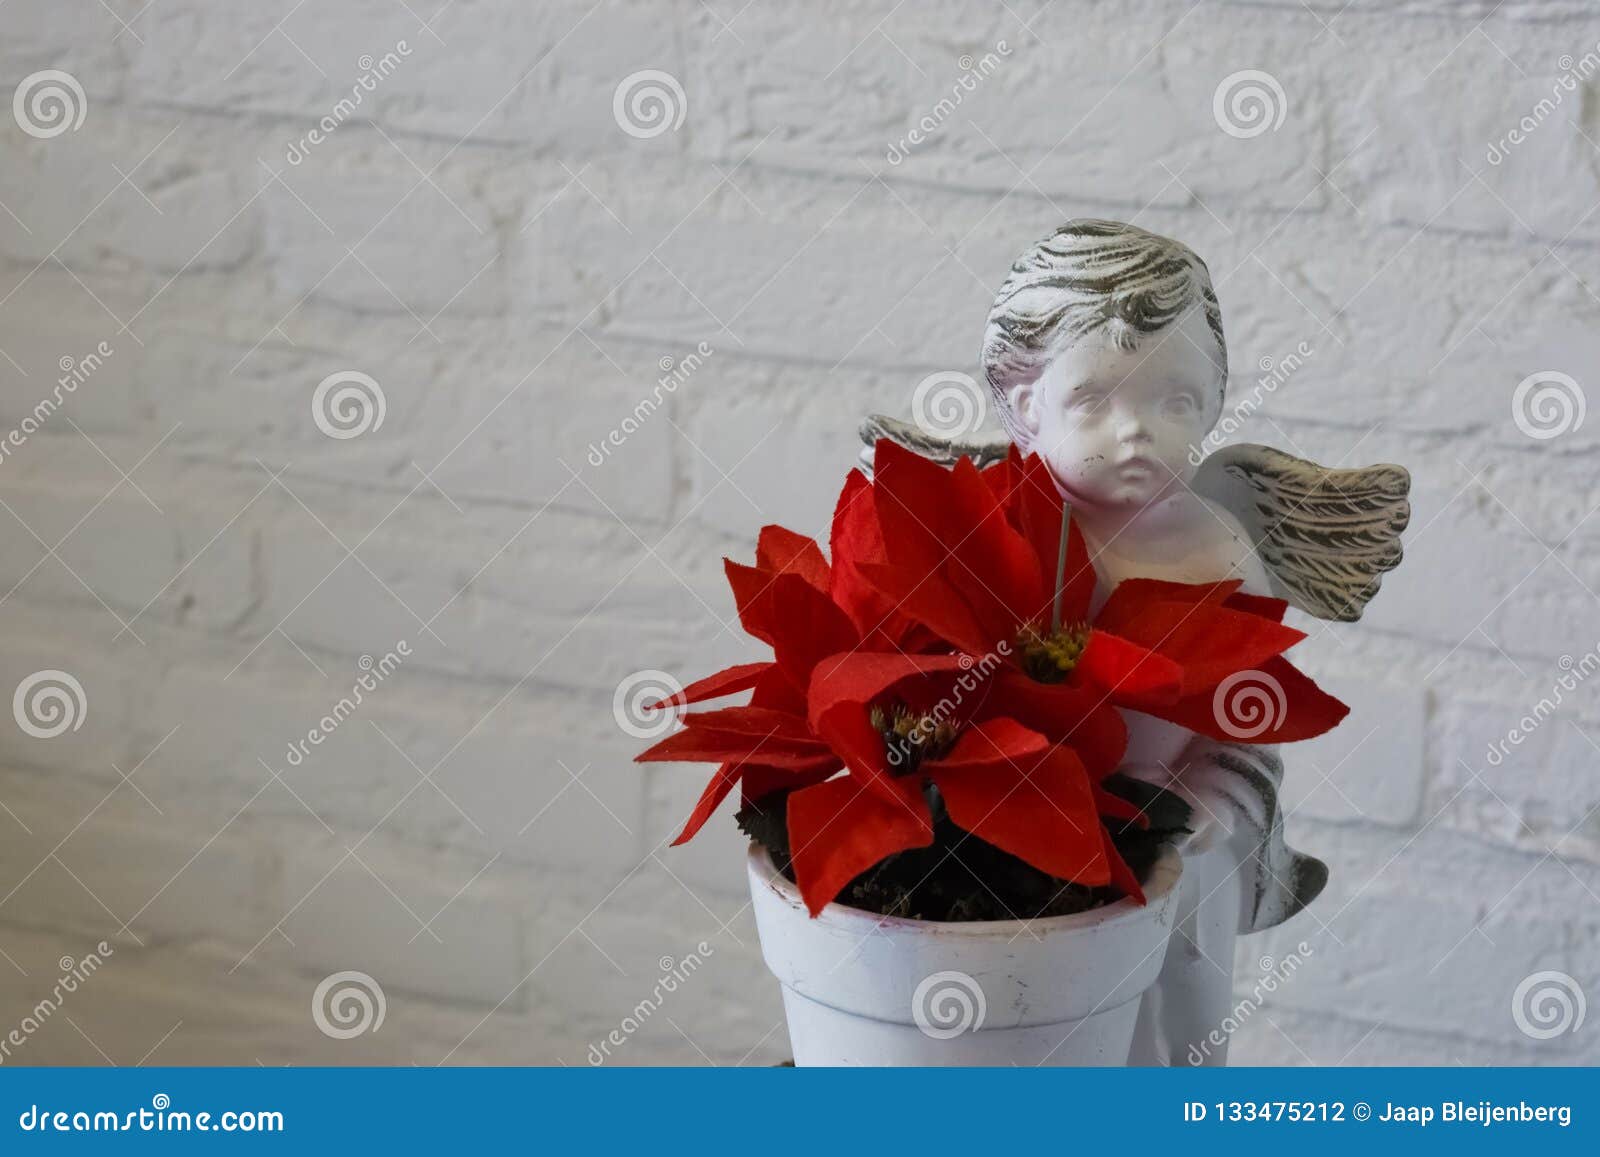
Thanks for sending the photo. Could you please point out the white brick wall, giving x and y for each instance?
(485, 241)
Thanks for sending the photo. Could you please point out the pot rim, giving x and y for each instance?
(1163, 879)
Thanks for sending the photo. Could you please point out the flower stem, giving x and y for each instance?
(1061, 567)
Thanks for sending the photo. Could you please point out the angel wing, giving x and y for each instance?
(983, 448)
(1326, 536)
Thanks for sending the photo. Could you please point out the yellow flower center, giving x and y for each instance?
(1050, 658)
(911, 737)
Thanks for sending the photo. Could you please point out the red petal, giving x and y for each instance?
(1001, 478)
(929, 600)
(1209, 641)
(853, 739)
(696, 745)
(752, 596)
(1036, 505)
(1113, 805)
(1267, 608)
(1041, 811)
(1125, 668)
(774, 690)
(807, 626)
(938, 521)
(995, 739)
(838, 829)
(760, 721)
(918, 508)
(716, 791)
(861, 676)
(761, 781)
(1292, 707)
(991, 564)
(781, 608)
(786, 552)
(726, 682)
(1082, 717)
(1131, 597)
(857, 540)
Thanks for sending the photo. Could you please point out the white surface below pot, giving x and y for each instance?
(863, 989)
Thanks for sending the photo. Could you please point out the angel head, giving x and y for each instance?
(1105, 353)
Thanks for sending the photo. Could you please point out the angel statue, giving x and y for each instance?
(1105, 355)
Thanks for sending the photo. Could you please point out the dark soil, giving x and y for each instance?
(960, 877)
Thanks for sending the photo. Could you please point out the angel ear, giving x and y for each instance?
(1024, 404)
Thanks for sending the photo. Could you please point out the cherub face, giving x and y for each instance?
(1116, 426)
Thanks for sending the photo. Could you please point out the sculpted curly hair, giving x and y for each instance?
(1087, 277)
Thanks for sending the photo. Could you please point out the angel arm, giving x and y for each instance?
(1236, 786)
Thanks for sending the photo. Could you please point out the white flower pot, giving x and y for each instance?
(863, 989)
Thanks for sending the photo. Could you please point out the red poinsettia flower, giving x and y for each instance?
(900, 727)
(767, 744)
(804, 608)
(845, 692)
(973, 557)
